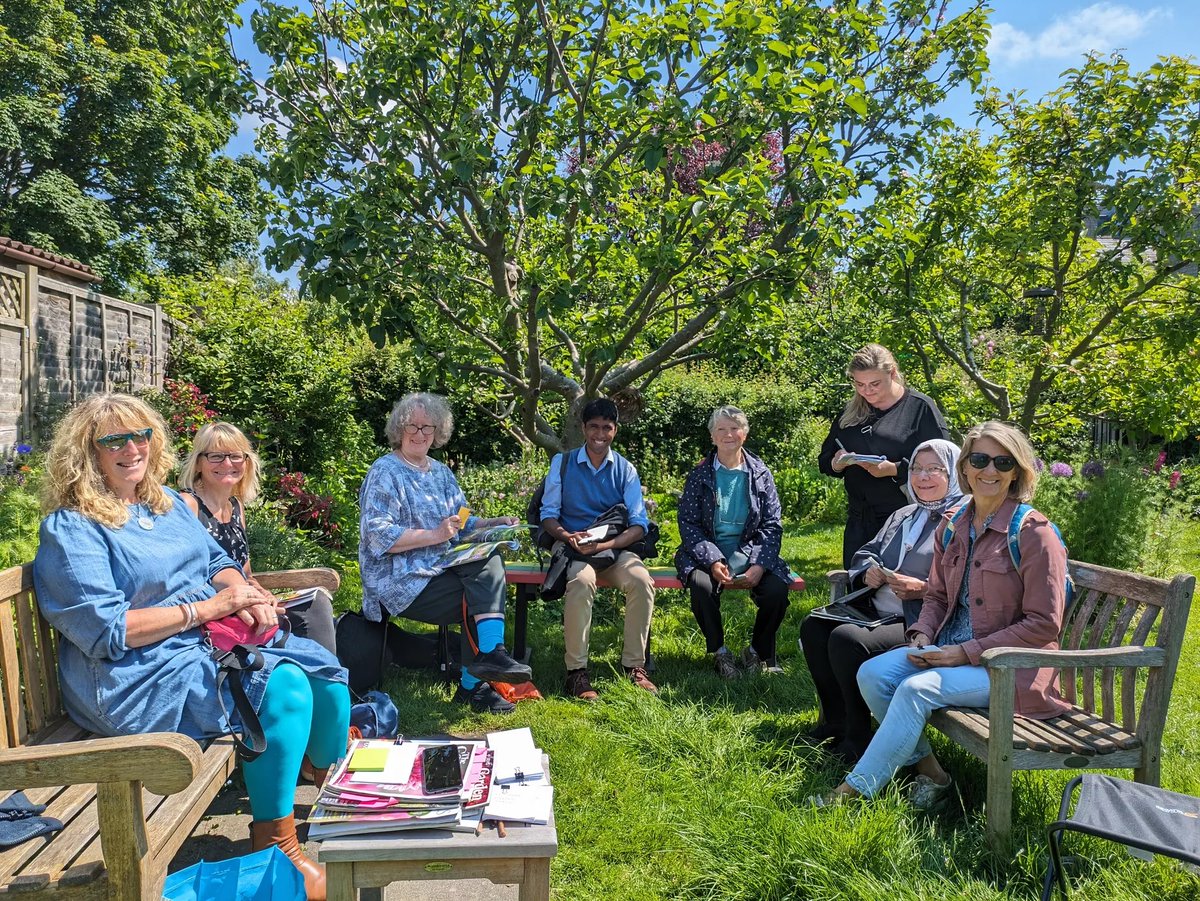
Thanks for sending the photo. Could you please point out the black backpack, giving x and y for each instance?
(533, 513)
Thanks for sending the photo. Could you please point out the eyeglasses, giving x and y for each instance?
(116, 442)
(931, 472)
(418, 429)
(1002, 462)
(221, 458)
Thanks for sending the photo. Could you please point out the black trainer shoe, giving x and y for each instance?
(499, 665)
(483, 699)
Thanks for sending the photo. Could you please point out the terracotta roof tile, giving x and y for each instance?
(29, 254)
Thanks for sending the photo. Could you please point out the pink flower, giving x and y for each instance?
(1162, 458)
(1175, 477)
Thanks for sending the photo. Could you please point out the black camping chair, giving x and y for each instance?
(1141, 817)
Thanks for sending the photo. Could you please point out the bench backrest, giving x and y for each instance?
(1112, 609)
(29, 697)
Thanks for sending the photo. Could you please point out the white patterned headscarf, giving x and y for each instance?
(947, 453)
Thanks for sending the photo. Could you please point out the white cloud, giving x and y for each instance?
(1101, 27)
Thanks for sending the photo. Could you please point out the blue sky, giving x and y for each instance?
(1033, 42)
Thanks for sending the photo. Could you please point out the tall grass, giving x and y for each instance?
(699, 793)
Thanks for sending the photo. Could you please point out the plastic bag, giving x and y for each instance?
(265, 875)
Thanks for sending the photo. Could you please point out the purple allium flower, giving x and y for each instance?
(1062, 470)
(1093, 469)
(1082, 495)
(1175, 477)
(24, 449)
(1039, 464)
(1162, 458)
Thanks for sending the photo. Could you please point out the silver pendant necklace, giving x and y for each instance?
(145, 520)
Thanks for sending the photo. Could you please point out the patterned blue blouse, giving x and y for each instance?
(89, 576)
(395, 497)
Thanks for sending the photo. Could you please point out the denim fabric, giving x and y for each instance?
(902, 697)
(88, 577)
(394, 498)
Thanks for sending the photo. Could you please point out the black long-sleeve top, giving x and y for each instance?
(894, 433)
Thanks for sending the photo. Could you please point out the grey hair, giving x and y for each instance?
(436, 408)
(730, 412)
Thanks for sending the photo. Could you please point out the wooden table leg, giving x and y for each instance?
(536, 886)
(339, 882)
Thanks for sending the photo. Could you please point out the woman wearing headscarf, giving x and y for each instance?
(896, 564)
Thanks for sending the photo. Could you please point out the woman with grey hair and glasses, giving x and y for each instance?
(411, 507)
(730, 529)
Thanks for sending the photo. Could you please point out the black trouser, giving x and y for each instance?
(834, 652)
(770, 595)
(861, 527)
(315, 620)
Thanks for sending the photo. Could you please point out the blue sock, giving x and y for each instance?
(490, 632)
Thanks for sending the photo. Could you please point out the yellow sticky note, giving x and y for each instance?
(368, 759)
(463, 513)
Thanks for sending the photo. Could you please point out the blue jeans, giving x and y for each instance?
(902, 697)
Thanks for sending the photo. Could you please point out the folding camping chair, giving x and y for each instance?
(1138, 816)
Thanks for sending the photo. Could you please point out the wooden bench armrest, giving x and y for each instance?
(315, 577)
(165, 762)
(1030, 658)
(839, 583)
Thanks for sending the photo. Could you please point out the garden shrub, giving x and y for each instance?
(1117, 512)
(20, 511)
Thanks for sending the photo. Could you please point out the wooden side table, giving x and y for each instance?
(358, 866)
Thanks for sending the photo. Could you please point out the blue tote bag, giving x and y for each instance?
(265, 875)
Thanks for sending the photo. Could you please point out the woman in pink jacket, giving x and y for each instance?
(976, 599)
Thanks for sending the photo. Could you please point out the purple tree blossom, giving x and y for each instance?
(1061, 470)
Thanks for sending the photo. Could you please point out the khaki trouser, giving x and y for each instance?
(630, 575)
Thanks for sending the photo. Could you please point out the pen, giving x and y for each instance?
(838, 442)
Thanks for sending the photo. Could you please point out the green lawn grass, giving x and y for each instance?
(700, 792)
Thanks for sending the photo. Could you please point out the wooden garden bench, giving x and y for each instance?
(1123, 633)
(127, 804)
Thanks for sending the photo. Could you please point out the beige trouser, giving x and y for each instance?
(630, 575)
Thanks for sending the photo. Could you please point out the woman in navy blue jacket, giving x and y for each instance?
(729, 535)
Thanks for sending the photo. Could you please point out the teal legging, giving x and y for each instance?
(299, 715)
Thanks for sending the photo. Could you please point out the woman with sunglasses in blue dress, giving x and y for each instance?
(128, 576)
(978, 597)
(884, 418)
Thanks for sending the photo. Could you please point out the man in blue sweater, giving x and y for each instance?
(594, 479)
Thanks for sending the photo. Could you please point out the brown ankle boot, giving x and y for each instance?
(282, 832)
(319, 773)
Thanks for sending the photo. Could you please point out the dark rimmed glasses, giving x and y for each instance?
(1002, 462)
(412, 429)
(118, 440)
(215, 457)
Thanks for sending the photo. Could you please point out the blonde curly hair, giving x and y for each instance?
(222, 437)
(74, 479)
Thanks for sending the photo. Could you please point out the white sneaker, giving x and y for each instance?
(925, 794)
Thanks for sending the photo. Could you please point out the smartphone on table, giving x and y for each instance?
(442, 768)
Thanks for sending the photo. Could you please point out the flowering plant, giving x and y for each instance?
(184, 407)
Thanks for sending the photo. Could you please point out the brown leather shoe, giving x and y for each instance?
(579, 686)
(638, 677)
(282, 832)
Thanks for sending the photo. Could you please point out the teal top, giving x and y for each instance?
(733, 506)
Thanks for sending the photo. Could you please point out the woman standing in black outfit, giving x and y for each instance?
(886, 418)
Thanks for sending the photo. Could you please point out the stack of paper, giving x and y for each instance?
(518, 759)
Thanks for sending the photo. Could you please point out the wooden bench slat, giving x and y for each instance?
(35, 709)
(14, 716)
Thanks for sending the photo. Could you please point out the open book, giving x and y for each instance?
(852, 458)
(479, 544)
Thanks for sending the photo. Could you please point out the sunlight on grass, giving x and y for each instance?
(700, 792)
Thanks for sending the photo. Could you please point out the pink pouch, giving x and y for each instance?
(228, 631)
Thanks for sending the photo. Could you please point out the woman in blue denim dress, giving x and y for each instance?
(128, 576)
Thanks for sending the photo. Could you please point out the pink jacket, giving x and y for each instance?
(1009, 608)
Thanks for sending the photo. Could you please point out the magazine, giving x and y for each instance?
(479, 544)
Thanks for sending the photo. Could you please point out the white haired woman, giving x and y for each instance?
(409, 509)
(730, 529)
